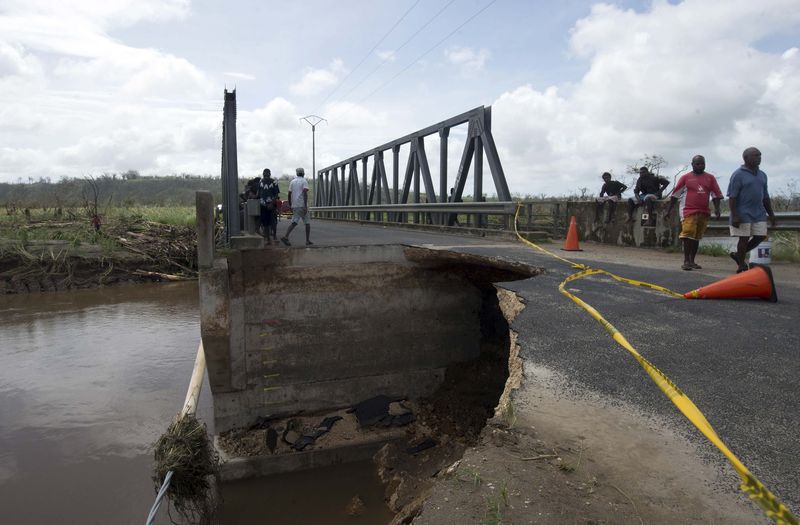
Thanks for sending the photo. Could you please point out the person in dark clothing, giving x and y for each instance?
(649, 188)
(611, 192)
(453, 217)
(268, 193)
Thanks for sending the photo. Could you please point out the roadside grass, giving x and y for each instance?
(786, 246)
(714, 250)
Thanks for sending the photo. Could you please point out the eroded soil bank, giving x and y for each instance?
(121, 253)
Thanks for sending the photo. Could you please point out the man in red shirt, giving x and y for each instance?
(694, 189)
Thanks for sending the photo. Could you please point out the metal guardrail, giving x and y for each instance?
(534, 215)
(786, 221)
(476, 214)
(486, 208)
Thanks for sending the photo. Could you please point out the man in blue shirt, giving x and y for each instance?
(750, 206)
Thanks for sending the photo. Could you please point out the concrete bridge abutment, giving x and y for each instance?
(309, 330)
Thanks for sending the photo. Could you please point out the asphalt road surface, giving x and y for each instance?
(739, 361)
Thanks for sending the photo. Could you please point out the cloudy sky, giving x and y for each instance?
(576, 87)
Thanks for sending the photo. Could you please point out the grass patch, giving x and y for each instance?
(714, 250)
(786, 246)
(172, 215)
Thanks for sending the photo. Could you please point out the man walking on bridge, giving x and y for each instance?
(693, 189)
(298, 203)
(750, 206)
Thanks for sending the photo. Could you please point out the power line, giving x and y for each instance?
(423, 55)
(369, 53)
(418, 31)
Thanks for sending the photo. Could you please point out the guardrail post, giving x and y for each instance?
(556, 219)
(478, 179)
(204, 209)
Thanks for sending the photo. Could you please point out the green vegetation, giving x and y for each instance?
(171, 215)
(714, 250)
(786, 246)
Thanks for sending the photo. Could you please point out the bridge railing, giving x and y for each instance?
(551, 217)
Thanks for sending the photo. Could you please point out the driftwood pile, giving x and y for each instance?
(171, 249)
(121, 252)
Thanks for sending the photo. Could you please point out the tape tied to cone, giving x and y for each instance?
(755, 283)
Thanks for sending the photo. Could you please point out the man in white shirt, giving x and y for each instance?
(298, 202)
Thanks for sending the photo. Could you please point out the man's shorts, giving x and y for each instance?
(301, 213)
(612, 198)
(694, 226)
(649, 197)
(750, 229)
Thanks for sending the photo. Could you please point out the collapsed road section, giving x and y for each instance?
(325, 355)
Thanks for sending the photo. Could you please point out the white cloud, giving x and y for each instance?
(468, 59)
(94, 103)
(664, 86)
(240, 76)
(386, 56)
(106, 12)
(675, 80)
(315, 81)
(15, 61)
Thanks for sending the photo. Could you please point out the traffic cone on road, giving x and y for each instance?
(571, 242)
(754, 283)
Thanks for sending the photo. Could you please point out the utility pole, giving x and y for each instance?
(313, 120)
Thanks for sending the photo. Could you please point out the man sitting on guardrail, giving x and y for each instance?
(611, 192)
(694, 189)
(750, 206)
(649, 188)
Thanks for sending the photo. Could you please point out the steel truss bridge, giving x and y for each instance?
(350, 187)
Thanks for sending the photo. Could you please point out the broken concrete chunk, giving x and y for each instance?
(382, 411)
(425, 444)
(271, 439)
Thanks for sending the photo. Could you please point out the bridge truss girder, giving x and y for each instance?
(333, 187)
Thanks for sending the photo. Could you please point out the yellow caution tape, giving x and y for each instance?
(750, 485)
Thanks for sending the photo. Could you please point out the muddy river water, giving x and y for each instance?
(88, 381)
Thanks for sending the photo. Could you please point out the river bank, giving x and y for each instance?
(56, 254)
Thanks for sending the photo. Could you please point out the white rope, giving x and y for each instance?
(159, 498)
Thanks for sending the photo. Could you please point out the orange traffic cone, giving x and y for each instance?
(754, 283)
(571, 242)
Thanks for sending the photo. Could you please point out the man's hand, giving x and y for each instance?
(735, 221)
(773, 220)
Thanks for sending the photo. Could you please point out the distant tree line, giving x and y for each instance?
(123, 189)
